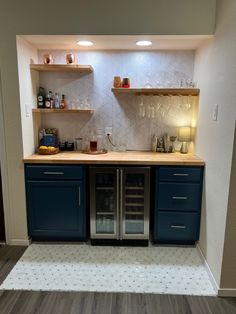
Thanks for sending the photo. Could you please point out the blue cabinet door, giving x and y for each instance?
(56, 209)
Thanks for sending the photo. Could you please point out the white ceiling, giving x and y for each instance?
(123, 42)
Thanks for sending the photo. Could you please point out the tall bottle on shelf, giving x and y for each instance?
(63, 102)
(48, 101)
(41, 97)
(56, 103)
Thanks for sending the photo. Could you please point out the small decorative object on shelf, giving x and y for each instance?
(126, 82)
(117, 82)
(70, 58)
(47, 59)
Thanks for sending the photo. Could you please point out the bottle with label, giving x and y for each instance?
(63, 104)
(41, 97)
(51, 99)
(48, 101)
(56, 103)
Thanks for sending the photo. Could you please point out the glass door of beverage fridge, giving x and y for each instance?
(134, 207)
(104, 203)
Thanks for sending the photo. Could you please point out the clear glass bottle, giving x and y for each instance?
(100, 140)
(48, 101)
(93, 142)
(56, 103)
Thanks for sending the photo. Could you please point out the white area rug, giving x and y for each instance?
(75, 267)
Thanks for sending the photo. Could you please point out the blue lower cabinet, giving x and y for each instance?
(177, 227)
(56, 209)
(178, 194)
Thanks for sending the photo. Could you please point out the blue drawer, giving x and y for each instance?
(182, 174)
(179, 196)
(60, 172)
(177, 227)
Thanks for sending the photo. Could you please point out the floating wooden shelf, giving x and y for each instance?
(61, 68)
(44, 110)
(158, 91)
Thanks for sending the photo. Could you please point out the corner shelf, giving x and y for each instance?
(61, 68)
(158, 91)
(44, 110)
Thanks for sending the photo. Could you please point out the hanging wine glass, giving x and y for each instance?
(141, 108)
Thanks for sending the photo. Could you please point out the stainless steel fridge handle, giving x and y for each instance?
(117, 206)
(121, 204)
(79, 197)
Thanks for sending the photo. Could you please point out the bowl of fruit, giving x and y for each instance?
(47, 150)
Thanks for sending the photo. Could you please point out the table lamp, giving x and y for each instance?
(184, 136)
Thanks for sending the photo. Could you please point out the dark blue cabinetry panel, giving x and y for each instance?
(178, 194)
(180, 174)
(177, 227)
(56, 208)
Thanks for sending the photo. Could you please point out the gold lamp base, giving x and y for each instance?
(184, 148)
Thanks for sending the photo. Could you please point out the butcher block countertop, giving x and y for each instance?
(117, 158)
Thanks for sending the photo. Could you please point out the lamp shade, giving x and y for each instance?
(185, 134)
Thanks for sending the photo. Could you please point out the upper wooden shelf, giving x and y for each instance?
(44, 110)
(61, 68)
(157, 91)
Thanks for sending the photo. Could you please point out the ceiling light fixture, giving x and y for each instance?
(144, 43)
(85, 43)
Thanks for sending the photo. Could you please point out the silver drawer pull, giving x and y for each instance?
(181, 174)
(179, 197)
(79, 197)
(54, 172)
(178, 227)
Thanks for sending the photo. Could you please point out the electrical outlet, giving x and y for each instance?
(108, 130)
(215, 112)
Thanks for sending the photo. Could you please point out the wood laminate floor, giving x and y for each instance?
(27, 302)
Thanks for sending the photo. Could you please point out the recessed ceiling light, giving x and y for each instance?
(85, 43)
(143, 43)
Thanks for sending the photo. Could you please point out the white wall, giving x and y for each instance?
(215, 73)
(28, 84)
(105, 17)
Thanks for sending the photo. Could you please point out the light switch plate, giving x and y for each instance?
(27, 110)
(215, 112)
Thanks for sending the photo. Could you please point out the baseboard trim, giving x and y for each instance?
(21, 242)
(226, 292)
(212, 278)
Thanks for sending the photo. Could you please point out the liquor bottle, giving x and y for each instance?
(56, 103)
(41, 97)
(63, 103)
(48, 101)
(51, 99)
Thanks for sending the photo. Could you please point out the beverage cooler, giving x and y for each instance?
(119, 203)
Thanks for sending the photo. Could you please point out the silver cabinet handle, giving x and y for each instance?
(177, 227)
(79, 197)
(54, 172)
(121, 204)
(181, 174)
(117, 206)
(179, 198)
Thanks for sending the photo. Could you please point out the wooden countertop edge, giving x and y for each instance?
(124, 159)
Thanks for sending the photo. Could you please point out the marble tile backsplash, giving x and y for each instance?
(121, 112)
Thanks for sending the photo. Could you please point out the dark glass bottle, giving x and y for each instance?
(41, 97)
